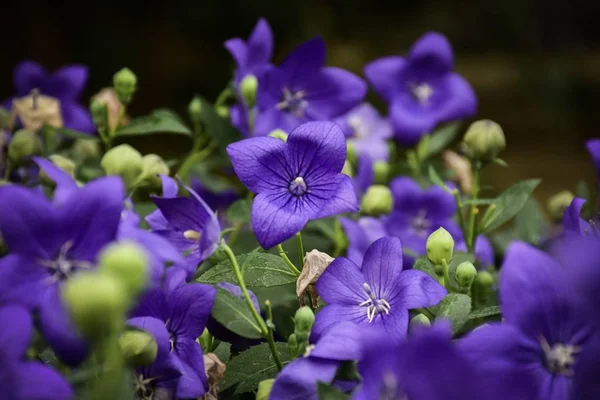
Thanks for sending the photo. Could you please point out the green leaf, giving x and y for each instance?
(232, 312)
(437, 141)
(435, 178)
(423, 264)
(258, 269)
(485, 312)
(327, 392)
(239, 212)
(218, 127)
(456, 308)
(530, 222)
(478, 202)
(71, 134)
(159, 121)
(223, 351)
(252, 366)
(508, 204)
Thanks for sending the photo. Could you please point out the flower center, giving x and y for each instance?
(293, 102)
(298, 187)
(422, 92)
(420, 223)
(390, 389)
(358, 127)
(560, 358)
(374, 305)
(61, 268)
(143, 387)
(192, 235)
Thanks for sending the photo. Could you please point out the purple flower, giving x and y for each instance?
(159, 379)
(364, 176)
(421, 89)
(21, 379)
(187, 223)
(593, 147)
(484, 252)
(380, 293)
(254, 55)
(361, 235)
(48, 244)
(547, 327)
(367, 131)
(65, 84)
(65, 184)
(302, 90)
(216, 200)
(295, 181)
(573, 224)
(298, 380)
(184, 311)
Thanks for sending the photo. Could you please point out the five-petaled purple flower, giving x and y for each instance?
(48, 244)
(254, 55)
(547, 326)
(295, 181)
(21, 379)
(184, 310)
(421, 89)
(301, 89)
(65, 84)
(380, 293)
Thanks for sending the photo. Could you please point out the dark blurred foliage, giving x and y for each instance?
(534, 64)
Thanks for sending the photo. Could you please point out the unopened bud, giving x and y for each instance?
(558, 203)
(304, 320)
(99, 112)
(96, 303)
(484, 140)
(381, 170)
(264, 389)
(223, 111)
(440, 246)
(139, 348)
(152, 166)
(293, 344)
(279, 134)
(24, 144)
(124, 161)
(87, 149)
(63, 163)
(419, 320)
(125, 84)
(248, 88)
(195, 110)
(377, 200)
(465, 274)
(127, 262)
(484, 280)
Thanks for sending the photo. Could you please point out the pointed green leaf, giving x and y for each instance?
(432, 144)
(508, 204)
(232, 312)
(530, 222)
(435, 178)
(328, 392)
(423, 264)
(455, 307)
(239, 212)
(485, 312)
(218, 127)
(159, 121)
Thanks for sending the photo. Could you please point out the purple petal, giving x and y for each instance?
(341, 342)
(341, 283)
(190, 308)
(484, 251)
(65, 184)
(332, 201)
(175, 278)
(39, 382)
(361, 234)
(416, 289)
(382, 266)
(298, 380)
(593, 147)
(67, 83)
(183, 213)
(260, 163)
(409, 123)
(271, 119)
(572, 222)
(169, 186)
(365, 175)
(303, 61)
(15, 335)
(22, 281)
(395, 324)
(153, 304)
(333, 313)
(384, 75)
(76, 117)
(28, 75)
(238, 50)
(260, 45)
(407, 194)
(237, 291)
(188, 360)
(276, 218)
(211, 234)
(433, 49)
(156, 221)
(373, 148)
(461, 101)
(157, 329)
(439, 203)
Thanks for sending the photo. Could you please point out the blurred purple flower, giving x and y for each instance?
(252, 56)
(295, 181)
(573, 224)
(484, 252)
(421, 89)
(593, 147)
(65, 84)
(302, 90)
(361, 234)
(380, 293)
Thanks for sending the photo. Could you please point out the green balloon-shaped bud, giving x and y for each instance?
(124, 161)
(152, 166)
(99, 111)
(419, 320)
(127, 262)
(484, 280)
(484, 140)
(195, 110)
(125, 84)
(465, 274)
(377, 200)
(24, 144)
(222, 111)
(440, 246)
(351, 152)
(248, 88)
(63, 163)
(86, 149)
(304, 320)
(264, 389)
(558, 203)
(139, 348)
(96, 303)
(279, 134)
(381, 171)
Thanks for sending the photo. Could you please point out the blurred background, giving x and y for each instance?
(534, 64)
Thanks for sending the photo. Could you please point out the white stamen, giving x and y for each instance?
(560, 358)
(422, 92)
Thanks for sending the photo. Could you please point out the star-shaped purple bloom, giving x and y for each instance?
(421, 89)
(379, 294)
(65, 84)
(547, 326)
(252, 56)
(367, 131)
(184, 311)
(21, 379)
(301, 89)
(48, 244)
(295, 181)
(298, 380)
(593, 147)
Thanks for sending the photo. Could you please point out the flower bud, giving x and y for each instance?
(348, 170)
(440, 246)
(87, 149)
(248, 88)
(139, 348)
(465, 274)
(206, 341)
(63, 163)
(381, 170)
(484, 280)
(125, 83)
(418, 321)
(351, 152)
(152, 166)
(279, 134)
(304, 320)
(124, 161)
(24, 144)
(484, 140)
(293, 344)
(195, 110)
(106, 103)
(558, 203)
(377, 200)
(127, 262)
(264, 389)
(99, 112)
(96, 303)
(223, 111)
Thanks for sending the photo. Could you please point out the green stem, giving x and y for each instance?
(283, 255)
(193, 157)
(446, 275)
(270, 337)
(474, 209)
(223, 96)
(461, 217)
(300, 250)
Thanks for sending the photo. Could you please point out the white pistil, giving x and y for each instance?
(560, 358)
(192, 235)
(422, 92)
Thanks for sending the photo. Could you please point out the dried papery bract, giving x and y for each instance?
(36, 110)
(462, 168)
(315, 262)
(215, 371)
